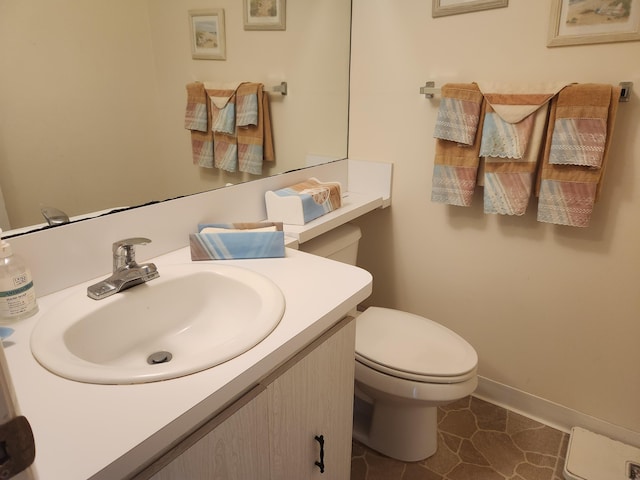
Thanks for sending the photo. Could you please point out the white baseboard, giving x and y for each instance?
(550, 413)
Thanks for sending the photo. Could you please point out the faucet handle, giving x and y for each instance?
(124, 252)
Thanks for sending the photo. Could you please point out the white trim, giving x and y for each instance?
(552, 414)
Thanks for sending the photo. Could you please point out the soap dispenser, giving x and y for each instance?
(17, 295)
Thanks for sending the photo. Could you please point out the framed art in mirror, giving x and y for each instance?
(442, 8)
(207, 34)
(264, 14)
(593, 21)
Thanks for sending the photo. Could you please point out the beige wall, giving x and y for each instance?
(552, 311)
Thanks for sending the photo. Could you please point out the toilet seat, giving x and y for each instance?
(412, 347)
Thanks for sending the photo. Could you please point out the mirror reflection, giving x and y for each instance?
(93, 97)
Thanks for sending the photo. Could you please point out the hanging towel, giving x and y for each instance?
(197, 119)
(456, 161)
(575, 157)
(504, 139)
(458, 113)
(222, 99)
(255, 139)
(508, 182)
(512, 134)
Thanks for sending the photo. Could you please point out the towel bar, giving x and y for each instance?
(429, 90)
(282, 88)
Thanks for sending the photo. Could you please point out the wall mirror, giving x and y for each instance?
(92, 98)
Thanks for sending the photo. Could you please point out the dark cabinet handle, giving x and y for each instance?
(320, 464)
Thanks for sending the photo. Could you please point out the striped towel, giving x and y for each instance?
(222, 103)
(512, 134)
(197, 119)
(254, 135)
(570, 179)
(504, 139)
(457, 145)
(458, 114)
(578, 141)
(508, 182)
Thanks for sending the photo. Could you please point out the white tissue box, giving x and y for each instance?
(224, 241)
(303, 202)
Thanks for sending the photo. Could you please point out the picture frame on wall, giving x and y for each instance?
(264, 14)
(208, 40)
(442, 8)
(579, 22)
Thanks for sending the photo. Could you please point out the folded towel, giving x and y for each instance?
(503, 139)
(241, 124)
(196, 113)
(250, 128)
(509, 115)
(247, 100)
(580, 127)
(197, 120)
(222, 98)
(456, 163)
(255, 138)
(513, 130)
(458, 113)
(508, 182)
(222, 103)
(569, 186)
(225, 119)
(516, 101)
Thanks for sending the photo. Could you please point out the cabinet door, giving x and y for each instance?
(311, 398)
(236, 449)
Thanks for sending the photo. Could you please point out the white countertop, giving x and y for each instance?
(92, 431)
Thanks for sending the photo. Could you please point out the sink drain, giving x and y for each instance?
(159, 357)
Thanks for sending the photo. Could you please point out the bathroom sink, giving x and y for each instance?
(193, 317)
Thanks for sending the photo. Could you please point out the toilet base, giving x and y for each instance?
(408, 433)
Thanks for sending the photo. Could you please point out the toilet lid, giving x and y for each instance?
(413, 347)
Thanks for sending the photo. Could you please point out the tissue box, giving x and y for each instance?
(303, 202)
(224, 241)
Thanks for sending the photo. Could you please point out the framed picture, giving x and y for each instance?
(264, 14)
(576, 22)
(442, 8)
(207, 34)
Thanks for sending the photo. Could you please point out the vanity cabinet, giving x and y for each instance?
(295, 424)
(311, 411)
(231, 447)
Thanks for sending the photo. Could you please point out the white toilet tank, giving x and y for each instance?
(339, 244)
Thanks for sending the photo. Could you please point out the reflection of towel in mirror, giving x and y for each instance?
(570, 178)
(223, 113)
(456, 162)
(197, 119)
(255, 139)
(241, 123)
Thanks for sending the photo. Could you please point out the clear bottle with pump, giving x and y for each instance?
(17, 295)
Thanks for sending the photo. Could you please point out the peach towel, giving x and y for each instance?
(567, 192)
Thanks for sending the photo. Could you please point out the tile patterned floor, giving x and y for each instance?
(476, 441)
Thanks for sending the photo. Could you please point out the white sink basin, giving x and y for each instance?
(193, 317)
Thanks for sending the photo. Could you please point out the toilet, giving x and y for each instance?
(405, 367)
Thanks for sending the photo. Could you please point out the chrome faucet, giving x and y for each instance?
(127, 272)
